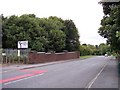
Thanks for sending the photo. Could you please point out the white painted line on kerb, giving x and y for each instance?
(21, 79)
(94, 79)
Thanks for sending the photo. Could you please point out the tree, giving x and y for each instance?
(110, 24)
(87, 49)
(8, 29)
(56, 40)
(104, 48)
(72, 37)
(43, 34)
(25, 27)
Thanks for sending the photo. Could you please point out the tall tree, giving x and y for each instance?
(56, 40)
(72, 37)
(43, 34)
(110, 24)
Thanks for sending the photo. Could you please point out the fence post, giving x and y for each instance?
(1, 62)
(18, 55)
(26, 56)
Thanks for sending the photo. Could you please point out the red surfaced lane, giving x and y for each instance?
(33, 72)
(15, 78)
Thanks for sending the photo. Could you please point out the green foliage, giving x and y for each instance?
(43, 34)
(83, 51)
(86, 49)
(85, 57)
(110, 24)
(57, 40)
(102, 49)
(72, 37)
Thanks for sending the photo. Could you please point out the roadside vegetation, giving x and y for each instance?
(85, 57)
(87, 49)
(110, 26)
(43, 34)
(46, 35)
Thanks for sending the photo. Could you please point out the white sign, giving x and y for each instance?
(22, 44)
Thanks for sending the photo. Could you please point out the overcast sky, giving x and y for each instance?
(86, 14)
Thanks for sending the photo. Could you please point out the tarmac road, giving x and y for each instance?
(94, 72)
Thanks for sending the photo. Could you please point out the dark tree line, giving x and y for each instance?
(43, 34)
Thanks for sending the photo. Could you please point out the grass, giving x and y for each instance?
(85, 57)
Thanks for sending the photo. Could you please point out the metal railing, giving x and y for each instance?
(11, 56)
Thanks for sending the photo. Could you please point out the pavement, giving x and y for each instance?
(109, 74)
(11, 67)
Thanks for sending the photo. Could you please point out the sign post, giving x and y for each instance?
(21, 45)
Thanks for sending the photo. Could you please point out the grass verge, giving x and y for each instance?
(85, 57)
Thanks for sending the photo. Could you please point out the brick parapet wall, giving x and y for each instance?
(38, 57)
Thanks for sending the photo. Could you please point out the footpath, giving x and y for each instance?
(28, 66)
(109, 78)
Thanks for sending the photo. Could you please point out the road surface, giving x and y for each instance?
(76, 74)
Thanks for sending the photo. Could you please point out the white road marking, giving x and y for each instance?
(94, 79)
(22, 79)
(3, 71)
(9, 71)
(6, 71)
